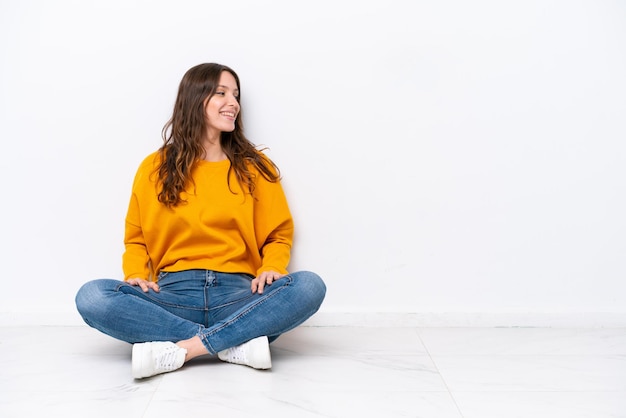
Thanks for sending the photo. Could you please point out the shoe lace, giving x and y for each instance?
(167, 359)
(237, 353)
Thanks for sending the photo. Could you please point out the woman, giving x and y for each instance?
(207, 242)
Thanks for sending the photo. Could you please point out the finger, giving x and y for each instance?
(261, 286)
(272, 277)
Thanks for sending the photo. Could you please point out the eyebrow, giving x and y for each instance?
(226, 87)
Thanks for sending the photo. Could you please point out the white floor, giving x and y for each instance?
(327, 372)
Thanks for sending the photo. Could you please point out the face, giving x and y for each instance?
(222, 108)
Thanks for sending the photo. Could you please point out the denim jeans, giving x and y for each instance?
(220, 308)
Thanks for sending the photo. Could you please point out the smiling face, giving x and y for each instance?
(222, 108)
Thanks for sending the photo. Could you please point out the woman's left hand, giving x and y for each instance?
(265, 278)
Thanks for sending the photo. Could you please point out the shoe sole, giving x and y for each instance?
(138, 357)
(263, 360)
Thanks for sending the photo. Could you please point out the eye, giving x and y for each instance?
(221, 93)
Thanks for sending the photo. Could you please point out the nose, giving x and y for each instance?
(233, 101)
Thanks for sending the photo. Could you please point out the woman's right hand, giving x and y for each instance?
(144, 284)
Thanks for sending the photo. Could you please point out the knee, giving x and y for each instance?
(90, 297)
(312, 286)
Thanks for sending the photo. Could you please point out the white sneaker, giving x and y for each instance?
(156, 357)
(255, 353)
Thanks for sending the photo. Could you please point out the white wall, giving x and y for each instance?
(458, 161)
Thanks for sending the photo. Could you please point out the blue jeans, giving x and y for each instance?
(220, 308)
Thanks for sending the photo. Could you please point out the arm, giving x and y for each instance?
(274, 229)
(135, 260)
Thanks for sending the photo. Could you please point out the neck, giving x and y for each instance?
(213, 151)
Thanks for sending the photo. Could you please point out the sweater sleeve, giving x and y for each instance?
(274, 227)
(135, 260)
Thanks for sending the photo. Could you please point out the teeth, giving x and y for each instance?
(232, 115)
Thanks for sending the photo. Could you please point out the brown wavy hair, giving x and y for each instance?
(183, 135)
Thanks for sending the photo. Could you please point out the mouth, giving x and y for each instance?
(229, 115)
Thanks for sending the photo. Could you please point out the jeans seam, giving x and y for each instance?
(160, 302)
(205, 335)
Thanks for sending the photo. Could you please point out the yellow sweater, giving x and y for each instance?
(214, 230)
